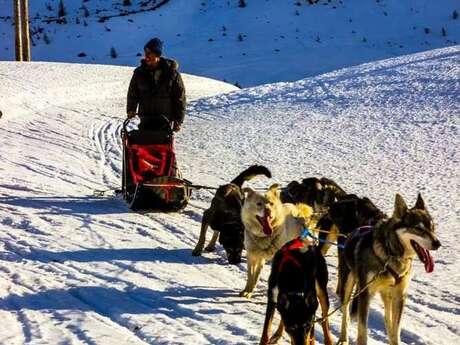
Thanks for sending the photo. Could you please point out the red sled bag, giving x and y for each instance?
(150, 177)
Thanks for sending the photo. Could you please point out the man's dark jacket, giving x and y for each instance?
(158, 92)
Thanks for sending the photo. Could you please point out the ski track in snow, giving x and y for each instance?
(81, 269)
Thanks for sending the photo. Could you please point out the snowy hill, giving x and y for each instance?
(79, 269)
(266, 41)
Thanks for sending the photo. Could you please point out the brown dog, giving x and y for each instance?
(314, 192)
(224, 216)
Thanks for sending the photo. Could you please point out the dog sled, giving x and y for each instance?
(150, 177)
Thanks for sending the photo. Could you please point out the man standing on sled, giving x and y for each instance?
(156, 90)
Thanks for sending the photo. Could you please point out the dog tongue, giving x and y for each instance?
(266, 226)
(428, 261)
(425, 256)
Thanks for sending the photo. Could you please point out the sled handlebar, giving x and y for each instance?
(168, 124)
(125, 123)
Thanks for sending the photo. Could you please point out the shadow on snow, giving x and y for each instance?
(172, 302)
(180, 255)
(87, 205)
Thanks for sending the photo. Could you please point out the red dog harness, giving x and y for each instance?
(287, 256)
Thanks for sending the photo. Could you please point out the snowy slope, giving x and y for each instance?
(79, 269)
(280, 40)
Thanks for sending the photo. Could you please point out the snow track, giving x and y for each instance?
(80, 269)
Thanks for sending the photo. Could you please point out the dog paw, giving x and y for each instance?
(210, 248)
(246, 294)
(197, 252)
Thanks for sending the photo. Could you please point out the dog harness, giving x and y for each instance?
(287, 256)
(307, 233)
(367, 229)
(398, 278)
(386, 267)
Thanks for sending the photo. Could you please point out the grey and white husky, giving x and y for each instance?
(379, 260)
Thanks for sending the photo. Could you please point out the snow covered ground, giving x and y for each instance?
(80, 269)
(266, 41)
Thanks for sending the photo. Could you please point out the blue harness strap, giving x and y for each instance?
(307, 233)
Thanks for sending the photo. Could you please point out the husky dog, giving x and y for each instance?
(314, 192)
(379, 260)
(224, 216)
(346, 214)
(298, 279)
(343, 217)
(268, 225)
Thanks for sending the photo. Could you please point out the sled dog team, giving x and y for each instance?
(375, 251)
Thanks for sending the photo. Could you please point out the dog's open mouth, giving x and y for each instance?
(424, 256)
(266, 226)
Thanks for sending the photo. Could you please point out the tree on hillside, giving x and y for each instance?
(61, 10)
(113, 53)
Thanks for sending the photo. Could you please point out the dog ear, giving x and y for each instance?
(274, 186)
(230, 188)
(240, 193)
(420, 204)
(319, 186)
(248, 191)
(274, 189)
(400, 207)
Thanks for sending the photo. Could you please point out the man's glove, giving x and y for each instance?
(131, 114)
(176, 127)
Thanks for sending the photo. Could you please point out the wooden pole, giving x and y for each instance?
(25, 30)
(17, 30)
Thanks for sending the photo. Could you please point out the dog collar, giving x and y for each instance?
(387, 268)
(395, 275)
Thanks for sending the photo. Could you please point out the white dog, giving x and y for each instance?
(268, 224)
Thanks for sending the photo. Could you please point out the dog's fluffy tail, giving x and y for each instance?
(250, 173)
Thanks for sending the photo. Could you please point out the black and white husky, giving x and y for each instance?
(379, 260)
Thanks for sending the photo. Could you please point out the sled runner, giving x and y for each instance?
(150, 177)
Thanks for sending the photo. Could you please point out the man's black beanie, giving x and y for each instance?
(155, 46)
